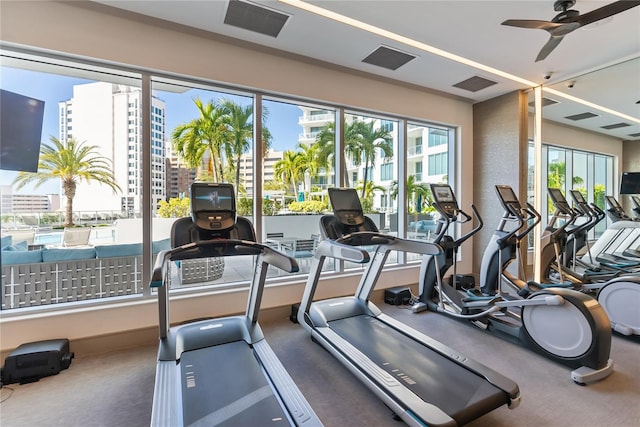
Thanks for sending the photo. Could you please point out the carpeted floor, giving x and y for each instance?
(115, 389)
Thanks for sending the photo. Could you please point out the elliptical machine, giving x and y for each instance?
(619, 296)
(566, 326)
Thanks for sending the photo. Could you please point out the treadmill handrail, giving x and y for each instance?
(219, 248)
(394, 243)
(342, 251)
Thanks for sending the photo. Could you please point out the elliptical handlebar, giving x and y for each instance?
(468, 218)
(448, 218)
(570, 220)
(532, 213)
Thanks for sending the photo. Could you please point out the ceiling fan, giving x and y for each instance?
(569, 20)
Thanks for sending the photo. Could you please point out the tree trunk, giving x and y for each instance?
(69, 188)
(68, 221)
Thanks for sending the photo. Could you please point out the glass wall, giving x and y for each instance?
(85, 222)
(590, 173)
(297, 169)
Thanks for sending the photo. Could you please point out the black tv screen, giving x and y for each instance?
(20, 131)
(630, 183)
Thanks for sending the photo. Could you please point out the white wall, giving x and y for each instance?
(74, 28)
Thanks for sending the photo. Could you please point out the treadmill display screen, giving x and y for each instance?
(213, 206)
(443, 194)
(346, 206)
(213, 198)
(344, 199)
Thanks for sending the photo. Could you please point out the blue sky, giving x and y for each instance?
(282, 120)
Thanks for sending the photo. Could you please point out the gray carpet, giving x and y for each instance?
(115, 389)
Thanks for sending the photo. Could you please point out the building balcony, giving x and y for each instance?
(316, 118)
(415, 150)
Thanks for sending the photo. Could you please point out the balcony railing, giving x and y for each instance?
(316, 118)
(414, 150)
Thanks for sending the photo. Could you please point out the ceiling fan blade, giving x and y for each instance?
(531, 23)
(548, 47)
(606, 11)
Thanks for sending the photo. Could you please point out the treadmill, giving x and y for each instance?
(221, 371)
(421, 380)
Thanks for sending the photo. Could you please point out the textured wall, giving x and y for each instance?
(500, 152)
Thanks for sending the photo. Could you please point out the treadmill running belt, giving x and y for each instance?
(225, 385)
(438, 380)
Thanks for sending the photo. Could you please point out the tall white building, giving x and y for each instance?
(109, 116)
(427, 155)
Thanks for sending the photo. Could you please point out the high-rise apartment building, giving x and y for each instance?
(109, 117)
(24, 203)
(179, 177)
(427, 155)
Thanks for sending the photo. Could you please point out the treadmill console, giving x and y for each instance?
(346, 206)
(445, 200)
(509, 199)
(559, 201)
(213, 206)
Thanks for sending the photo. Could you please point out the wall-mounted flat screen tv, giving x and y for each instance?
(20, 131)
(630, 183)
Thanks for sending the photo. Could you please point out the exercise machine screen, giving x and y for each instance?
(213, 206)
(559, 201)
(346, 206)
(508, 198)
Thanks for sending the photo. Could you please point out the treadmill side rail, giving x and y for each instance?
(413, 411)
(494, 377)
(299, 408)
(166, 393)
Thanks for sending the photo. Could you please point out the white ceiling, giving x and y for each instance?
(470, 29)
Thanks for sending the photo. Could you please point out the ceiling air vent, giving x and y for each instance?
(616, 126)
(255, 18)
(545, 102)
(388, 58)
(634, 135)
(474, 84)
(581, 116)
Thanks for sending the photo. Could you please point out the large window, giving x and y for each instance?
(590, 173)
(148, 144)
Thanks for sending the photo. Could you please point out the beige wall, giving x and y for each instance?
(74, 28)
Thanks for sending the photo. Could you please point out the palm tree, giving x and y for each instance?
(418, 193)
(204, 136)
(369, 188)
(240, 127)
(326, 141)
(288, 169)
(308, 161)
(71, 162)
(238, 121)
(371, 139)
